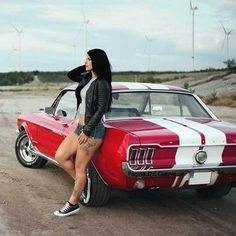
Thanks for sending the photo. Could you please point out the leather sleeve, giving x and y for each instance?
(103, 94)
(77, 74)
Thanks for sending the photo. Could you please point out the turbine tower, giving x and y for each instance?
(193, 9)
(147, 48)
(85, 22)
(227, 34)
(19, 32)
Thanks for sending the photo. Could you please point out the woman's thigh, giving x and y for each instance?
(68, 147)
(85, 152)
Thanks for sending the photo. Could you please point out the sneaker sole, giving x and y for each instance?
(57, 213)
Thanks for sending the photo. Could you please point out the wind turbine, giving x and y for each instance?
(147, 48)
(193, 9)
(227, 34)
(19, 32)
(85, 23)
(12, 58)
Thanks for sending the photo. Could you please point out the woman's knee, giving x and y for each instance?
(59, 157)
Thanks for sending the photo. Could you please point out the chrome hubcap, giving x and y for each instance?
(26, 150)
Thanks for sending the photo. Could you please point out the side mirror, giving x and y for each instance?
(49, 110)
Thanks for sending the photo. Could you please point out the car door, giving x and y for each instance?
(50, 132)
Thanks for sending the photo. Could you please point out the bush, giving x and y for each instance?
(212, 98)
(186, 85)
(231, 65)
(233, 97)
(15, 78)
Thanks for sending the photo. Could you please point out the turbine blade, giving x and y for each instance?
(224, 29)
(146, 37)
(14, 27)
(191, 6)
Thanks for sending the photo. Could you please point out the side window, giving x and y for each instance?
(66, 105)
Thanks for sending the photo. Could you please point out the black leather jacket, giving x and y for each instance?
(96, 100)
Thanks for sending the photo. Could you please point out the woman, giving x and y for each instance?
(93, 100)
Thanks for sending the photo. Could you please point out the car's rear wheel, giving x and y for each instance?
(96, 192)
(214, 191)
(25, 152)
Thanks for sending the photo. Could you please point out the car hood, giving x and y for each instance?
(179, 131)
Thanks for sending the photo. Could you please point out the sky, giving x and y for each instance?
(136, 34)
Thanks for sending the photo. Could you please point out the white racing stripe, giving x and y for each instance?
(187, 136)
(156, 86)
(189, 139)
(215, 138)
(143, 86)
(131, 85)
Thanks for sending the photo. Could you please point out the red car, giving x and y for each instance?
(157, 136)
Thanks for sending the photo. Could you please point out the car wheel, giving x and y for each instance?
(214, 191)
(25, 152)
(96, 192)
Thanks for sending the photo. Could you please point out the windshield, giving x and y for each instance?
(155, 104)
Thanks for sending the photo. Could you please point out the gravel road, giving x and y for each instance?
(28, 197)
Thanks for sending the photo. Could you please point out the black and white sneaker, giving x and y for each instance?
(67, 210)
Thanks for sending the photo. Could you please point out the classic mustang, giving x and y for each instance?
(157, 136)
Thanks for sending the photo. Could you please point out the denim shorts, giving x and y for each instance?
(98, 132)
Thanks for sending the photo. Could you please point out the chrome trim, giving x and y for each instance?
(174, 146)
(46, 157)
(87, 198)
(137, 153)
(129, 172)
(206, 107)
(198, 156)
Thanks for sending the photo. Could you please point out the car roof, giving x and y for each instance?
(135, 86)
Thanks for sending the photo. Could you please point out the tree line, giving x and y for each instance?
(19, 78)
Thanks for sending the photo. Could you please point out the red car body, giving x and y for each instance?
(145, 148)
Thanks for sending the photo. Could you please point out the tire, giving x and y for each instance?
(214, 191)
(25, 152)
(96, 192)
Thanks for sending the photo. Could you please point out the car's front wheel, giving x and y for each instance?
(96, 192)
(214, 191)
(25, 152)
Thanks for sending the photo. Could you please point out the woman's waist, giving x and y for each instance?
(81, 121)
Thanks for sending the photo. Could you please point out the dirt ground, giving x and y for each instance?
(28, 197)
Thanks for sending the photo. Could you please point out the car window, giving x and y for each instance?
(158, 104)
(66, 105)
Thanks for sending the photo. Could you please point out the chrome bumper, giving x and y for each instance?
(129, 172)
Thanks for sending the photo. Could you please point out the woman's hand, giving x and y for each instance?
(82, 138)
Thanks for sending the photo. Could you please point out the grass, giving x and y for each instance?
(224, 100)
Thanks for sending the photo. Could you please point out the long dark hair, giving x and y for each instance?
(101, 66)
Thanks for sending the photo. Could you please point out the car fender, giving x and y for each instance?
(24, 126)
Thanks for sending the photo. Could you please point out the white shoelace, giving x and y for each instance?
(66, 207)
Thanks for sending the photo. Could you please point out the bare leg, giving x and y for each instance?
(65, 153)
(84, 154)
